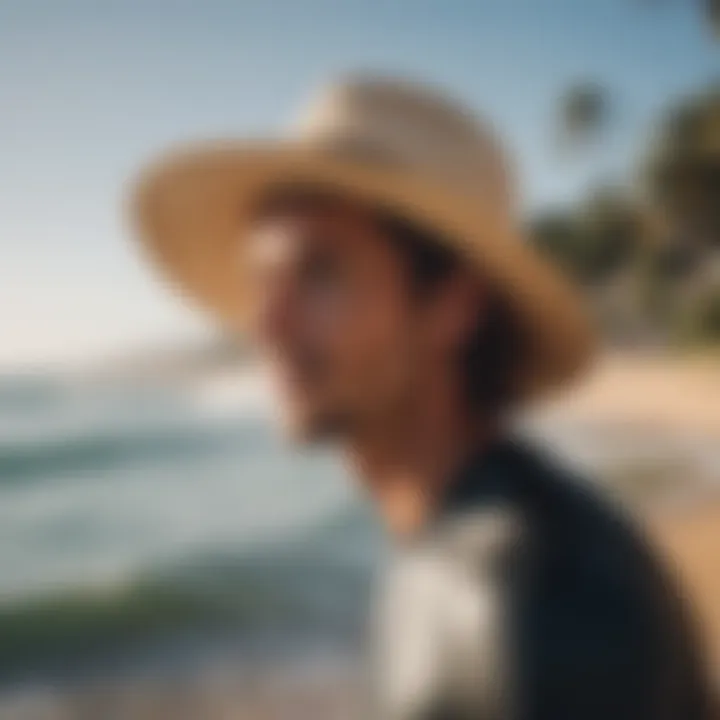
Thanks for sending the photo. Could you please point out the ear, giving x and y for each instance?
(454, 314)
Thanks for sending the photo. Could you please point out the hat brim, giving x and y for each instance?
(192, 209)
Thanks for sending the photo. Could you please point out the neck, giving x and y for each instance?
(407, 462)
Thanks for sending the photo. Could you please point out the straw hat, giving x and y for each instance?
(397, 145)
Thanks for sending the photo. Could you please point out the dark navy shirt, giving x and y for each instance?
(531, 597)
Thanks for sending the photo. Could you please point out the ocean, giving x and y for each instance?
(147, 524)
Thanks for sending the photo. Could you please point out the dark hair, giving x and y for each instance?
(490, 359)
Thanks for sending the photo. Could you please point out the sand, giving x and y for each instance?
(676, 393)
(691, 539)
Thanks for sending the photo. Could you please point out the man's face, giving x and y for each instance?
(335, 318)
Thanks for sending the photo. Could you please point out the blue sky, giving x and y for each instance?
(90, 89)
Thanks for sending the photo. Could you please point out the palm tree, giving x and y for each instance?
(682, 172)
(711, 11)
(584, 112)
(593, 240)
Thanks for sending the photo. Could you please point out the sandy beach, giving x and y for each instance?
(676, 393)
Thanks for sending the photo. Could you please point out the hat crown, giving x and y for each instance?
(415, 128)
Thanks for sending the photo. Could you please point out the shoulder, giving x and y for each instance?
(571, 513)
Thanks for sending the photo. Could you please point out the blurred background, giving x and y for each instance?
(162, 553)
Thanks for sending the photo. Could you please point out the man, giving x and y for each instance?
(375, 260)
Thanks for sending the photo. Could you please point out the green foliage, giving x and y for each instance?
(713, 15)
(593, 241)
(556, 235)
(683, 173)
(699, 322)
(646, 263)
